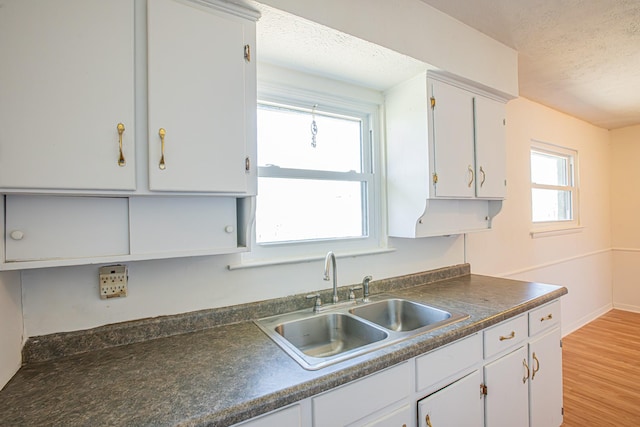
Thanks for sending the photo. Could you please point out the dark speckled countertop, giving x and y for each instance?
(225, 373)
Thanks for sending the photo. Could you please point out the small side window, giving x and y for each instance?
(554, 189)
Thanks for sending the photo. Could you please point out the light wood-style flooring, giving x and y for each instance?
(601, 372)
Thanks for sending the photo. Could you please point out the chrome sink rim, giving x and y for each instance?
(268, 326)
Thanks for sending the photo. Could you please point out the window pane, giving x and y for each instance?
(285, 140)
(550, 205)
(299, 209)
(549, 169)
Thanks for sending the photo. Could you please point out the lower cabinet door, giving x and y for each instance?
(545, 387)
(458, 404)
(399, 418)
(507, 399)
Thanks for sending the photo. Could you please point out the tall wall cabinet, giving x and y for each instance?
(446, 156)
(136, 117)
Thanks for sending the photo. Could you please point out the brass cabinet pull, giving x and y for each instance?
(162, 133)
(548, 317)
(472, 176)
(121, 160)
(484, 176)
(247, 52)
(511, 336)
(428, 420)
(526, 377)
(536, 367)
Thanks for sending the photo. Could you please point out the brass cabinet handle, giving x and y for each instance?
(511, 336)
(526, 377)
(162, 133)
(548, 317)
(121, 160)
(484, 176)
(428, 420)
(472, 176)
(536, 367)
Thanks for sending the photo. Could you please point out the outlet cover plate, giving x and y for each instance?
(113, 281)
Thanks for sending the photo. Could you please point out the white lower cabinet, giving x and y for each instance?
(458, 404)
(507, 401)
(508, 375)
(363, 398)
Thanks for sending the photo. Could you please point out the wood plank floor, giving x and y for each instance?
(601, 372)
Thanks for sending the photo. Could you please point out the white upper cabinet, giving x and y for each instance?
(202, 95)
(66, 82)
(490, 149)
(453, 173)
(446, 171)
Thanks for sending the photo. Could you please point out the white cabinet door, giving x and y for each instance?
(459, 404)
(66, 82)
(490, 148)
(452, 130)
(545, 387)
(288, 417)
(196, 81)
(507, 399)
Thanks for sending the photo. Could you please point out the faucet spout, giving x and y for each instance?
(330, 261)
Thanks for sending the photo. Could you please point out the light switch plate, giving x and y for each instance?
(113, 281)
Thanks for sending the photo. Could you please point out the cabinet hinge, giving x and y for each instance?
(435, 178)
(247, 164)
(247, 52)
(483, 389)
(560, 343)
(562, 411)
(433, 102)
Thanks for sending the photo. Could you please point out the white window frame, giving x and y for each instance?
(551, 228)
(342, 102)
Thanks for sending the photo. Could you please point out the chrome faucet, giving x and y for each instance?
(331, 257)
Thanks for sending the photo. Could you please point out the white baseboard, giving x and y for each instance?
(627, 307)
(567, 329)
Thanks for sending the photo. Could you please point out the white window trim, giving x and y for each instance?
(556, 228)
(347, 100)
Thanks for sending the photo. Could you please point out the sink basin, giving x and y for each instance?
(329, 334)
(316, 340)
(401, 315)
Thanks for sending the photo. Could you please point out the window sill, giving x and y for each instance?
(297, 260)
(557, 231)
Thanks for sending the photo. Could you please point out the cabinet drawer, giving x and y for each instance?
(179, 224)
(363, 397)
(48, 227)
(505, 335)
(289, 417)
(442, 363)
(544, 317)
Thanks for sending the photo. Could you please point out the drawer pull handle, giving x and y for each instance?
(536, 367)
(428, 420)
(526, 377)
(549, 317)
(511, 336)
(121, 160)
(162, 134)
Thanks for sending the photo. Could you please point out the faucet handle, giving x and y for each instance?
(318, 303)
(365, 285)
(352, 294)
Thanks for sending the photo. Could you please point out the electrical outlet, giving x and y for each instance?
(113, 281)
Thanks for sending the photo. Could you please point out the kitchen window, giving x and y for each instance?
(554, 189)
(318, 180)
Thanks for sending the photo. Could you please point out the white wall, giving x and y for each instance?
(10, 325)
(625, 205)
(580, 261)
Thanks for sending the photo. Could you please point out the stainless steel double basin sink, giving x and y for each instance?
(316, 340)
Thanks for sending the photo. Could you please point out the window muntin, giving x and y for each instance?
(554, 193)
(314, 194)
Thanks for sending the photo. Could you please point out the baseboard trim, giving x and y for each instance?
(567, 329)
(626, 307)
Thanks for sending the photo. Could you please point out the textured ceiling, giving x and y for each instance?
(581, 57)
